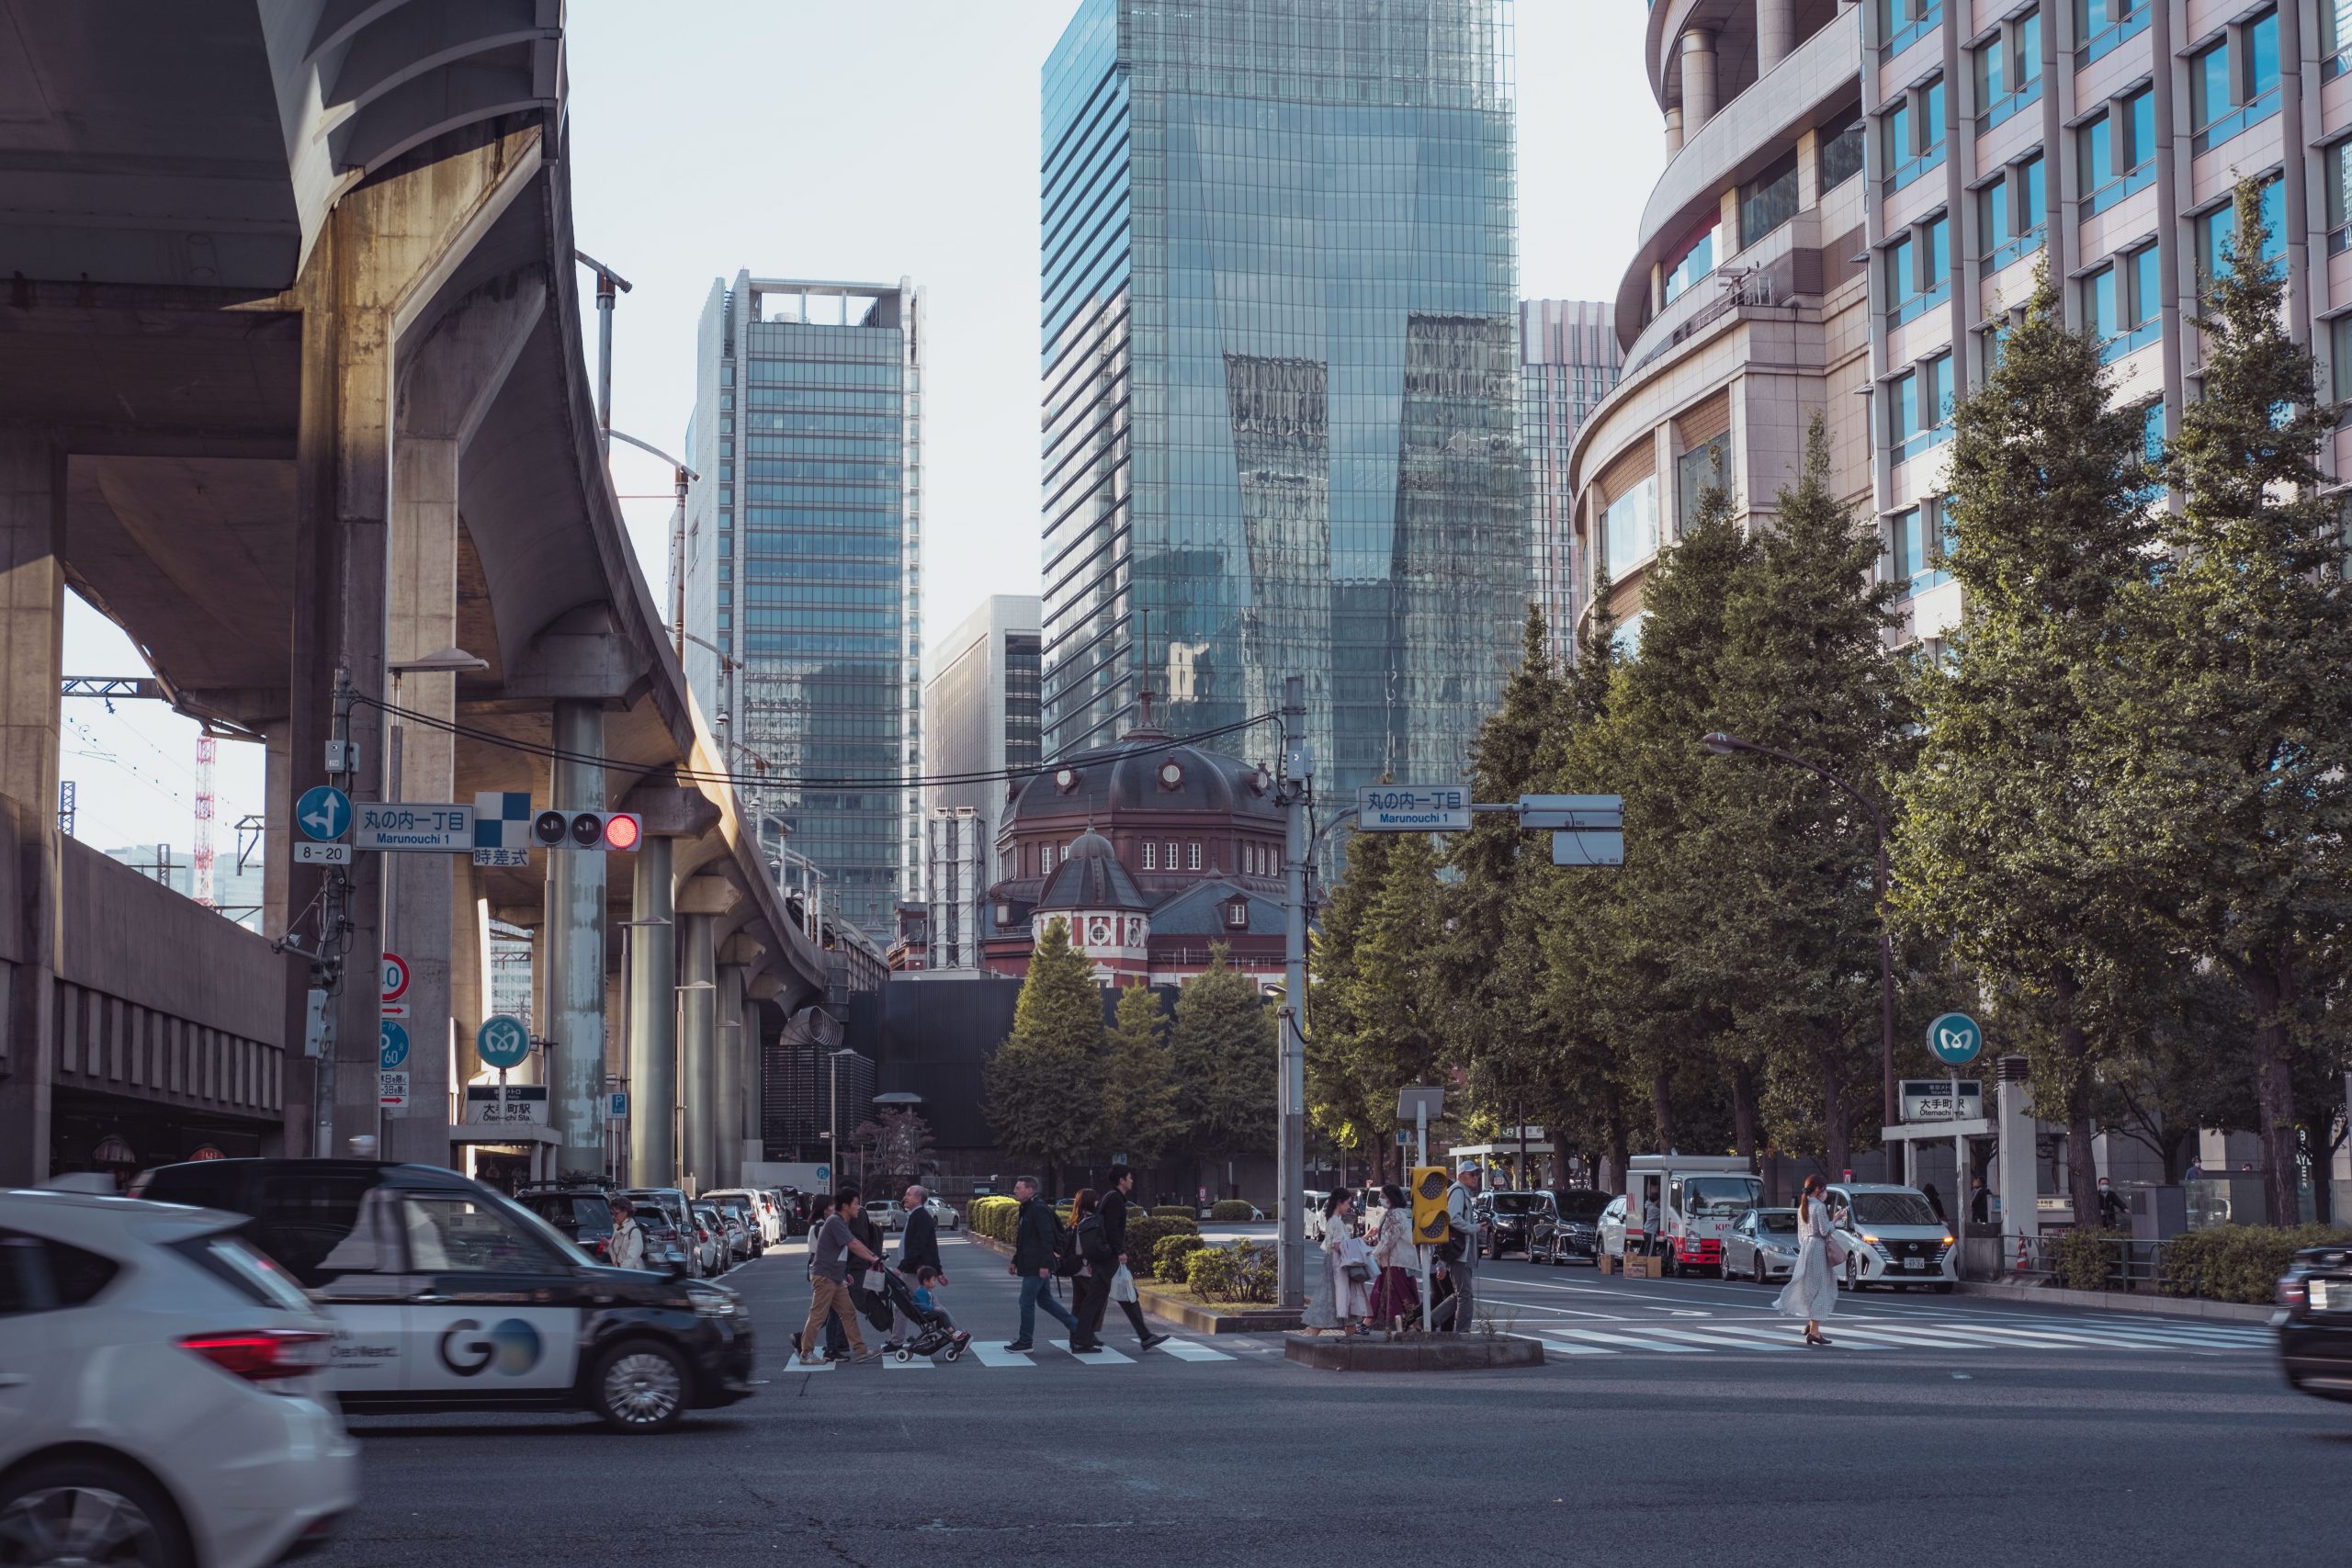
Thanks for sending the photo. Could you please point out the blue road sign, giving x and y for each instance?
(391, 1041)
(616, 1106)
(824, 1176)
(502, 1041)
(1955, 1039)
(324, 812)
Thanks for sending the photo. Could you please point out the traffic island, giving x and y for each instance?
(1439, 1353)
(1184, 1309)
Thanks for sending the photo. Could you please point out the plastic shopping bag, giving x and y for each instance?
(1123, 1285)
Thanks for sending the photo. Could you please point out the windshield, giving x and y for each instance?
(1580, 1204)
(1893, 1209)
(1518, 1203)
(1779, 1221)
(1720, 1197)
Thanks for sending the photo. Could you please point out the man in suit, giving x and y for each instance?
(917, 1248)
(1114, 1231)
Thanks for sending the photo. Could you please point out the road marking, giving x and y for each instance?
(1741, 1338)
(995, 1354)
(797, 1365)
(1104, 1354)
(1187, 1350)
(1638, 1343)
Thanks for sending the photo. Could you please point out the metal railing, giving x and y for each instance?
(2130, 1264)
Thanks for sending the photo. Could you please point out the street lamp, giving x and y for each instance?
(833, 1137)
(1723, 745)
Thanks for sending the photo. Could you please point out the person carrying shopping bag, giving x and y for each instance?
(1348, 1263)
(1394, 1293)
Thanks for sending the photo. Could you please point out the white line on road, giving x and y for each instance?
(996, 1355)
(1188, 1350)
(1104, 1354)
(1639, 1344)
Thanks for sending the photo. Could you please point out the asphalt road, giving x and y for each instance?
(1675, 1420)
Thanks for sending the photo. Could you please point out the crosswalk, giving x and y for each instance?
(1699, 1337)
(997, 1355)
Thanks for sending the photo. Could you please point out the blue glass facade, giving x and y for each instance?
(1280, 351)
(799, 555)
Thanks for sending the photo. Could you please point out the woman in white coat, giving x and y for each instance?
(1351, 1298)
(1812, 1291)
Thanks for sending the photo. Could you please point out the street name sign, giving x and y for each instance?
(1930, 1099)
(401, 824)
(1403, 808)
(514, 1104)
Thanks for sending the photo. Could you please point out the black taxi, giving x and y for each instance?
(448, 1296)
(2315, 1322)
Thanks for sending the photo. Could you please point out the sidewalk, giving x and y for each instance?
(2121, 1301)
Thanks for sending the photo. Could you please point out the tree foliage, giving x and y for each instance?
(1222, 1045)
(1141, 1116)
(1042, 1084)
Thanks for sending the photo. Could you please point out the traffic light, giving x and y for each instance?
(587, 830)
(1430, 1187)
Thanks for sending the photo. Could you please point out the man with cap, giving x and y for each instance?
(1462, 1216)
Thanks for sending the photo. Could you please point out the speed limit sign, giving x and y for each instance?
(395, 978)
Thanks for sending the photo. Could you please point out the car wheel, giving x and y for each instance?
(640, 1385)
(83, 1511)
(1755, 1268)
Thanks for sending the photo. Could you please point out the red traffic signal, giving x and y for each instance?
(588, 829)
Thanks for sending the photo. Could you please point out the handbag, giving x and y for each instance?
(1123, 1285)
(1356, 1263)
(1836, 1249)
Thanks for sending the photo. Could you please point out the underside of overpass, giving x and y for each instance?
(292, 390)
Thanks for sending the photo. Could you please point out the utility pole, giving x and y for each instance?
(1298, 771)
(328, 970)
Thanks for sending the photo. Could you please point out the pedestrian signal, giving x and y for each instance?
(588, 829)
(1430, 1187)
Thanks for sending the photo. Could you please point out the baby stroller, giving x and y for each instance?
(931, 1333)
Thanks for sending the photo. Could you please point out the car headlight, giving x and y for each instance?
(715, 1303)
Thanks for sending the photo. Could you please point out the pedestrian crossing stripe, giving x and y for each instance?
(1883, 1334)
(997, 1353)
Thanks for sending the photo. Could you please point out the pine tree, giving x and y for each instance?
(1342, 1100)
(1400, 992)
(1141, 1118)
(1044, 1083)
(2228, 747)
(1223, 1044)
(2000, 821)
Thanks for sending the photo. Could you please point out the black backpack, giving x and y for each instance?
(1067, 1261)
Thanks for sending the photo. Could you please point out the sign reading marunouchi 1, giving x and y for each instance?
(1955, 1039)
(502, 1041)
(1403, 808)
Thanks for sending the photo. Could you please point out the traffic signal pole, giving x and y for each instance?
(1298, 770)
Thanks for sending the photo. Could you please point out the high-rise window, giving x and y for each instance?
(2103, 24)
(1840, 147)
(1994, 217)
(2094, 151)
(1699, 470)
(1914, 549)
(2098, 302)
(2234, 84)
(2334, 38)
(1767, 201)
(2338, 164)
(1629, 528)
(2215, 229)
(2339, 357)
(1697, 260)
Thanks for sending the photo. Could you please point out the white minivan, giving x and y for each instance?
(1893, 1238)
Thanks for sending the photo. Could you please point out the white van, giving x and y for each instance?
(1688, 1203)
(1893, 1238)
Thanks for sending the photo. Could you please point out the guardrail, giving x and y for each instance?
(2130, 1264)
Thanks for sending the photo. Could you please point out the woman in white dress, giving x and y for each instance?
(1350, 1299)
(1812, 1291)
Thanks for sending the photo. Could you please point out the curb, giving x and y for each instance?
(1190, 1316)
(1448, 1353)
(2121, 1301)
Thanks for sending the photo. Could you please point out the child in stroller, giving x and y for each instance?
(934, 1330)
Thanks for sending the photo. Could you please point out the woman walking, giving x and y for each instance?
(1098, 1263)
(1346, 1263)
(1812, 1291)
(1393, 1295)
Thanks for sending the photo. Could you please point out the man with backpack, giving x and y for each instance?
(1460, 1251)
(1037, 1244)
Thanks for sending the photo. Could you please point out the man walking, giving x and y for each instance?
(1462, 1214)
(829, 1278)
(918, 1250)
(627, 1249)
(1036, 1244)
(1114, 1214)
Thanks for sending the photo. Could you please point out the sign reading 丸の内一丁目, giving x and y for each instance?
(1406, 809)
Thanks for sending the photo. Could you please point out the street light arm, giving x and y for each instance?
(1717, 741)
(649, 446)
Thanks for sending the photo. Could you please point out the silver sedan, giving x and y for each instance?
(1762, 1246)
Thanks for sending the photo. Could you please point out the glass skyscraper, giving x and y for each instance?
(799, 565)
(1281, 416)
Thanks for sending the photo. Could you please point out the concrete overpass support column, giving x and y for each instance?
(652, 1019)
(698, 1047)
(468, 990)
(575, 941)
(1697, 79)
(32, 620)
(1776, 32)
(733, 1037)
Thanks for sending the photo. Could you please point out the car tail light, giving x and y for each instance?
(263, 1355)
(2292, 1294)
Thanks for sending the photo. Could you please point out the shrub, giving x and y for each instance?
(995, 1218)
(1173, 1212)
(1145, 1232)
(2238, 1263)
(1243, 1272)
(1168, 1257)
(1231, 1208)
(2088, 1259)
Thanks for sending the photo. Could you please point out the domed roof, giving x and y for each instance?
(1091, 877)
(1146, 770)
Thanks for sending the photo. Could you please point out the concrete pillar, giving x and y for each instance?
(1776, 32)
(277, 827)
(2017, 1181)
(1697, 79)
(698, 1047)
(469, 980)
(32, 621)
(1673, 131)
(652, 1019)
(727, 1128)
(575, 942)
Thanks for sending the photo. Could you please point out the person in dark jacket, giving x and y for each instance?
(1036, 1245)
(918, 1250)
(1115, 1231)
(877, 1310)
(1097, 1264)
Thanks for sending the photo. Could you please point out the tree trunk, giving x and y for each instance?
(1743, 1111)
(1662, 1108)
(1836, 1143)
(1563, 1153)
(2074, 1047)
(2269, 980)
(1616, 1152)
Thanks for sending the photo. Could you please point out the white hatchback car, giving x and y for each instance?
(162, 1397)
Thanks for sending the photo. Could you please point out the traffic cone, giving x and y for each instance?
(2023, 1267)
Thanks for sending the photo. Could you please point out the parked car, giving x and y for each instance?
(943, 1215)
(886, 1213)
(739, 1208)
(1762, 1245)
(1574, 1230)
(582, 1216)
(1610, 1227)
(667, 1251)
(446, 1295)
(673, 1202)
(1512, 1220)
(712, 1248)
(1893, 1238)
(2315, 1322)
(164, 1393)
(756, 1209)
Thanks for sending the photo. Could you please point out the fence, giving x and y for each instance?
(2084, 1260)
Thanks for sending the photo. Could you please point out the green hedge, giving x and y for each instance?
(994, 1218)
(1173, 1212)
(1231, 1208)
(1168, 1257)
(1145, 1232)
(2088, 1259)
(1242, 1273)
(2239, 1263)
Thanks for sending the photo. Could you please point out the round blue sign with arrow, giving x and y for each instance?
(392, 1044)
(324, 813)
(502, 1041)
(1955, 1039)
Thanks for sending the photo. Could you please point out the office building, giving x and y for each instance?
(797, 566)
(1856, 202)
(1568, 359)
(236, 889)
(1279, 345)
(980, 734)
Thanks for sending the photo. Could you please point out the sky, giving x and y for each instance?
(872, 140)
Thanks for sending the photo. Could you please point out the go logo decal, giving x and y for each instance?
(513, 1346)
